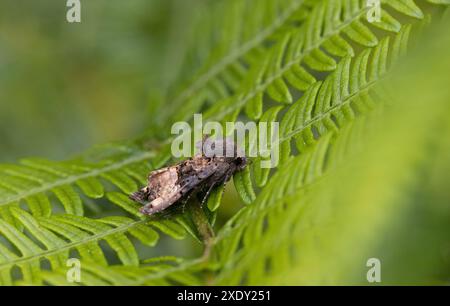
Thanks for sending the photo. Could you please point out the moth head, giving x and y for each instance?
(240, 162)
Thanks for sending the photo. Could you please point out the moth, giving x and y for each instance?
(198, 174)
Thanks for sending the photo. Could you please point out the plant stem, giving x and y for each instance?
(203, 227)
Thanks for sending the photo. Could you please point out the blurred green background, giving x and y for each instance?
(65, 87)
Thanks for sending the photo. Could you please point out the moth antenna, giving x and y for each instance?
(185, 200)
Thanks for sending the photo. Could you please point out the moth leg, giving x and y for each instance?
(207, 194)
(184, 201)
(226, 179)
(223, 182)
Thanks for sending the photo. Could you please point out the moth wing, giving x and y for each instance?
(205, 167)
(168, 185)
(154, 173)
(171, 190)
(169, 196)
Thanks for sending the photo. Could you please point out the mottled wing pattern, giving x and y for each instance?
(161, 182)
(167, 186)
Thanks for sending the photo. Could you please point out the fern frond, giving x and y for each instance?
(237, 47)
(38, 232)
(250, 223)
(52, 238)
(304, 50)
(35, 179)
(294, 232)
(324, 105)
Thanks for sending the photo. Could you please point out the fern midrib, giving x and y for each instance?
(324, 114)
(73, 178)
(237, 53)
(70, 245)
(288, 65)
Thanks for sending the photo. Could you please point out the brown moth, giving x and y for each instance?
(200, 173)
